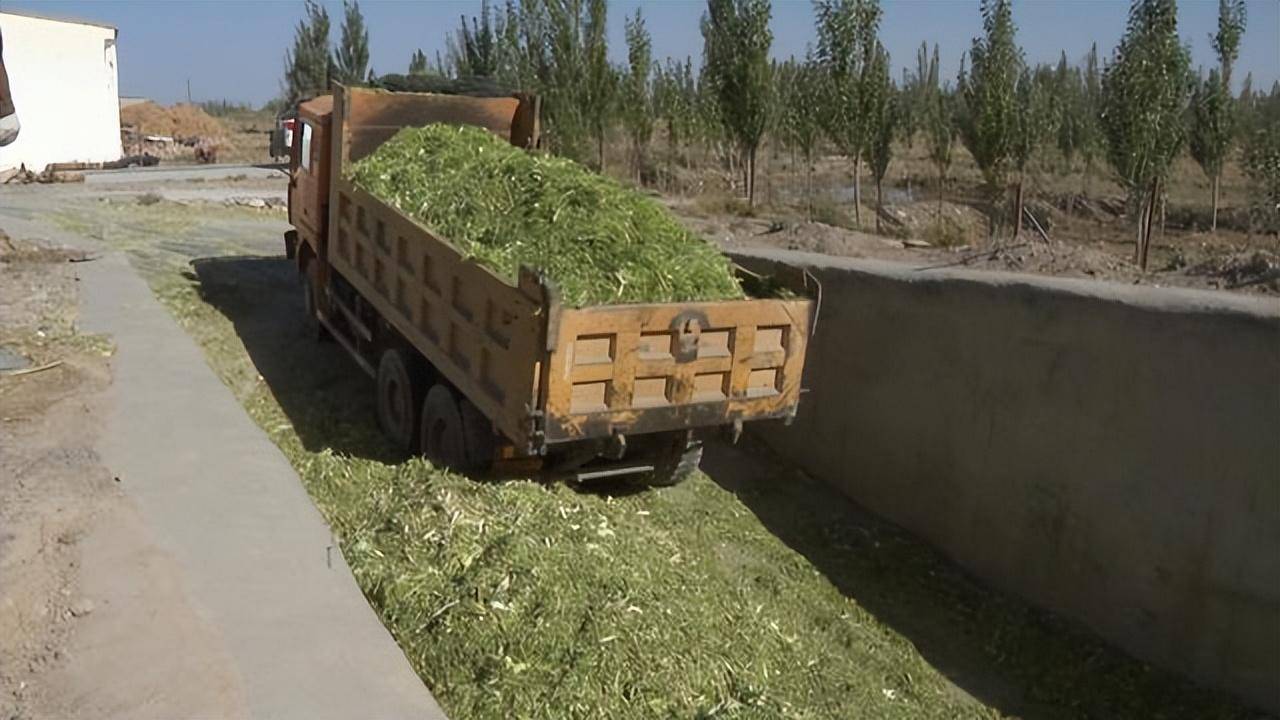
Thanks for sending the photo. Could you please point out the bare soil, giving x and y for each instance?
(1075, 233)
(51, 482)
(87, 597)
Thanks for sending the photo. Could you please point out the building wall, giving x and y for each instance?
(64, 82)
(1109, 452)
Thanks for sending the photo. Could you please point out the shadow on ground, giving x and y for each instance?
(1011, 657)
(1020, 660)
(328, 399)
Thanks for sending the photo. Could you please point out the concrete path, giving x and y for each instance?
(264, 606)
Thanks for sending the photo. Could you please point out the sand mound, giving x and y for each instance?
(179, 121)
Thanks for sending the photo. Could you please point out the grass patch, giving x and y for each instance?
(830, 213)
(945, 233)
(758, 600)
(601, 242)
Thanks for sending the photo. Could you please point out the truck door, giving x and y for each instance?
(309, 174)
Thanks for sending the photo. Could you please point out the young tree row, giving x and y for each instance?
(1138, 112)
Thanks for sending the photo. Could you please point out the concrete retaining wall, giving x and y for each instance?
(1106, 451)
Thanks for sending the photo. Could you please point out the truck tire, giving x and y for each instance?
(398, 395)
(443, 438)
(310, 307)
(677, 458)
(479, 442)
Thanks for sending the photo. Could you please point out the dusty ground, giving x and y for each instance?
(52, 486)
(1086, 235)
(82, 582)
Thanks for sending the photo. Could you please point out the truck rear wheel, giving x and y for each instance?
(480, 444)
(443, 436)
(455, 434)
(677, 457)
(397, 399)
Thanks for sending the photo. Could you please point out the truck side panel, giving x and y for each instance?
(482, 334)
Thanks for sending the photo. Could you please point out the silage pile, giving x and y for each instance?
(600, 242)
(179, 121)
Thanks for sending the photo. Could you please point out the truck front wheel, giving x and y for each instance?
(310, 304)
(397, 399)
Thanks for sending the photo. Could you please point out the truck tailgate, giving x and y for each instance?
(650, 368)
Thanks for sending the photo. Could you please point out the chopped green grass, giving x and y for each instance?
(600, 242)
(755, 595)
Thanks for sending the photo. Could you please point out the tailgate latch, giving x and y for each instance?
(688, 327)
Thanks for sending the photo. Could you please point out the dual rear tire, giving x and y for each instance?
(449, 430)
(452, 433)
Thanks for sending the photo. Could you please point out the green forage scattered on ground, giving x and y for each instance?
(600, 242)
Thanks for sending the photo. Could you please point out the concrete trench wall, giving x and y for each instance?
(1109, 452)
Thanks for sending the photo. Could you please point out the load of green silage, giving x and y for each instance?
(601, 243)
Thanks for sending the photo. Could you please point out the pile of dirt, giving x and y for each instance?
(179, 121)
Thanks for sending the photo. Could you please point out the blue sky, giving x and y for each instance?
(232, 49)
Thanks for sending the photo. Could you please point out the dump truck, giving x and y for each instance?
(490, 376)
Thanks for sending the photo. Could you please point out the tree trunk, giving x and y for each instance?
(1084, 181)
(733, 170)
(808, 185)
(1164, 207)
(1017, 209)
(857, 190)
(879, 202)
(1140, 213)
(600, 148)
(1213, 226)
(1147, 219)
(942, 188)
(751, 177)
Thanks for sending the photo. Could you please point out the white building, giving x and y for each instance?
(62, 74)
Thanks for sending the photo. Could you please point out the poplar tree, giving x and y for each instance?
(675, 105)
(637, 92)
(1212, 109)
(801, 99)
(846, 48)
(1144, 99)
(1262, 159)
(939, 124)
(351, 58)
(1089, 141)
(307, 65)
(881, 104)
(598, 98)
(736, 42)
(989, 117)
(1035, 122)
(418, 63)
(473, 50)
